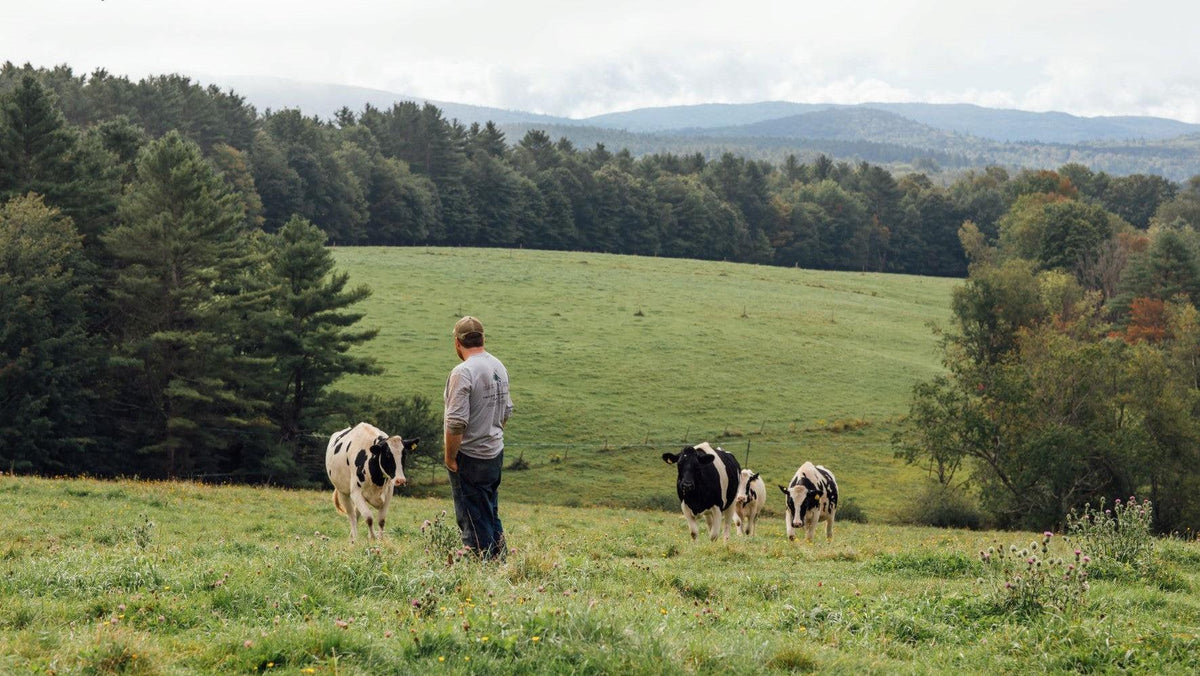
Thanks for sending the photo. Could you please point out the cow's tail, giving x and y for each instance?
(338, 503)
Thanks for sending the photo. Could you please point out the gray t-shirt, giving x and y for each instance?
(478, 405)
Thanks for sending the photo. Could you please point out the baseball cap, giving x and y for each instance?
(466, 326)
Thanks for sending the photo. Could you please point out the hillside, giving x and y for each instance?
(174, 578)
(615, 359)
(618, 347)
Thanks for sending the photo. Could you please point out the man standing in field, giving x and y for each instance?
(477, 406)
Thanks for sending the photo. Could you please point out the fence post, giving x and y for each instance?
(746, 462)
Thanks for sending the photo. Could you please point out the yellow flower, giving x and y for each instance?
(270, 665)
(441, 658)
(536, 639)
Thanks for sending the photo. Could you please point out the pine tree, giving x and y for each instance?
(312, 337)
(48, 360)
(187, 292)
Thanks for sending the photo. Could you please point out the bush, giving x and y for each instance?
(518, 464)
(1034, 579)
(443, 541)
(851, 511)
(408, 417)
(1123, 544)
(1119, 535)
(944, 507)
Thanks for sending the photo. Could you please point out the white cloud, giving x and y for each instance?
(1100, 57)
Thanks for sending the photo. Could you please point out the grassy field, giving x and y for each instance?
(614, 359)
(177, 578)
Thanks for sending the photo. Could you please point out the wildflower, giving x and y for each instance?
(387, 634)
(536, 639)
(1048, 534)
(247, 643)
(1087, 559)
(441, 658)
(270, 665)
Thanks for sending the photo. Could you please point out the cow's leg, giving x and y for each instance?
(726, 519)
(691, 520)
(829, 526)
(351, 511)
(810, 526)
(751, 520)
(787, 521)
(360, 503)
(383, 509)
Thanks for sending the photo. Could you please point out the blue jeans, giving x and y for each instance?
(476, 487)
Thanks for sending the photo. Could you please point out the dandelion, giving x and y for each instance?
(270, 665)
(663, 611)
(441, 658)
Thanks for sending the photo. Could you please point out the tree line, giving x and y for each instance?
(166, 291)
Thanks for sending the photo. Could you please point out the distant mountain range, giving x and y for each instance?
(925, 136)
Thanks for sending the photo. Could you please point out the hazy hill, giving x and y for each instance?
(844, 124)
(1021, 125)
(324, 99)
(900, 136)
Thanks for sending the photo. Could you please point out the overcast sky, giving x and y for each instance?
(1098, 57)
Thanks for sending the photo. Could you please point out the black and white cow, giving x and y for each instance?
(363, 464)
(812, 496)
(750, 500)
(707, 484)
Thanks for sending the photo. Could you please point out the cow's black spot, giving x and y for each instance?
(360, 461)
(377, 476)
(344, 433)
(337, 449)
(388, 463)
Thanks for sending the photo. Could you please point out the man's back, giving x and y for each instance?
(478, 402)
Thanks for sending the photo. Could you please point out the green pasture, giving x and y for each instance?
(614, 359)
(130, 577)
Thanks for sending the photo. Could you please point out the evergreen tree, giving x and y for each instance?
(48, 361)
(312, 339)
(186, 291)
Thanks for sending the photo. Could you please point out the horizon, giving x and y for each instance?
(584, 60)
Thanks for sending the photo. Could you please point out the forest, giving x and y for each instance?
(166, 288)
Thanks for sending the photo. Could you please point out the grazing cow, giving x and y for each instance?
(812, 496)
(363, 464)
(751, 497)
(707, 484)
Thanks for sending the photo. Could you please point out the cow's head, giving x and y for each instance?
(392, 451)
(745, 492)
(690, 462)
(802, 496)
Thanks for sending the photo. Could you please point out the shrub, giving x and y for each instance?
(1123, 544)
(851, 511)
(518, 463)
(442, 539)
(944, 507)
(1034, 579)
(1118, 536)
